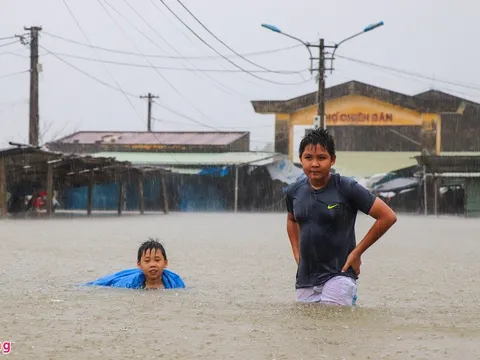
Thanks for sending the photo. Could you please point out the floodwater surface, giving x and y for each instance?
(419, 291)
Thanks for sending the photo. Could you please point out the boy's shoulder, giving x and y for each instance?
(293, 187)
(346, 185)
(344, 181)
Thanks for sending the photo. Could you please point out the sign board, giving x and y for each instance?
(360, 111)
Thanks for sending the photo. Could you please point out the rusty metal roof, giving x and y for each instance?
(166, 138)
(427, 101)
(257, 158)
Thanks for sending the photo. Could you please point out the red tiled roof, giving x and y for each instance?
(166, 138)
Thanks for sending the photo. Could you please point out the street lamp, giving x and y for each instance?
(319, 120)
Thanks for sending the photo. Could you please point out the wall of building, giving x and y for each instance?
(472, 187)
(378, 138)
(188, 193)
(360, 123)
(461, 132)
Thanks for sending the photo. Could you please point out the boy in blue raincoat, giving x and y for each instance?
(151, 272)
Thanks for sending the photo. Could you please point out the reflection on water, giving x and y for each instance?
(418, 293)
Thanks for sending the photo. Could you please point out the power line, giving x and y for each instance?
(210, 57)
(151, 65)
(88, 75)
(228, 47)
(106, 68)
(218, 84)
(185, 116)
(7, 38)
(14, 74)
(9, 43)
(130, 64)
(126, 93)
(410, 73)
(231, 62)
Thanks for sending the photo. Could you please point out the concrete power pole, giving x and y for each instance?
(34, 123)
(320, 121)
(150, 98)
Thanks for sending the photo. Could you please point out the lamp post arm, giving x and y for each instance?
(307, 45)
(277, 30)
(340, 43)
(367, 29)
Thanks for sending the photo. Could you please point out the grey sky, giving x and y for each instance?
(433, 38)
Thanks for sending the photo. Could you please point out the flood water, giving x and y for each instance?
(419, 292)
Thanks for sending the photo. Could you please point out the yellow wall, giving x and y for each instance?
(355, 110)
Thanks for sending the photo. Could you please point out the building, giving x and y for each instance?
(452, 184)
(205, 171)
(87, 142)
(374, 126)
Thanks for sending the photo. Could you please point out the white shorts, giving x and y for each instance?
(339, 290)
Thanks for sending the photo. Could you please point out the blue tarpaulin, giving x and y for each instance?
(217, 171)
(135, 279)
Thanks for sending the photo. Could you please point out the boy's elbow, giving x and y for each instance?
(391, 217)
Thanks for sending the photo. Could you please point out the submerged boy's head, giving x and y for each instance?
(317, 154)
(152, 259)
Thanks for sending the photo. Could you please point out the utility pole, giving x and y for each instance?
(150, 98)
(34, 123)
(320, 120)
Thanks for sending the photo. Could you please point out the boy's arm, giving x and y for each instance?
(375, 207)
(293, 234)
(385, 218)
(293, 230)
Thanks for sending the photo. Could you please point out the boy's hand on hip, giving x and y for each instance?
(354, 261)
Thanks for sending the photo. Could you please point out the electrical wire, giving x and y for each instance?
(410, 73)
(130, 64)
(224, 44)
(151, 65)
(9, 43)
(222, 87)
(14, 74)
(224, 57)
(209, 57)
(106, 68)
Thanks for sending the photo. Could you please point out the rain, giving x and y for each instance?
(182, 121)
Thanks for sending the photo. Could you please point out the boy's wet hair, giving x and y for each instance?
(152, 245)
(320, 137)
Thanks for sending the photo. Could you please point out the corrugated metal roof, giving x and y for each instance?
(367, 163)
(458, 175)
(166, 138)
(194, 159)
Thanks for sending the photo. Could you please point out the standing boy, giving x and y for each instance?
(322, 209)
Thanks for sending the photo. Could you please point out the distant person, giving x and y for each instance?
(151, 271)
(322, 210)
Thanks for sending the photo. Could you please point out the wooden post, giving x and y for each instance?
(49, 189)
(121, 197)
(164, 193)
(141, 202)
(235, 204)
(425, 196)
(90, 195)
(3, 188)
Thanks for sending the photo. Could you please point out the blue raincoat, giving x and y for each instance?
(135, 279)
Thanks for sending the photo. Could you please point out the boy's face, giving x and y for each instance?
(152, 264)
(316, 162)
